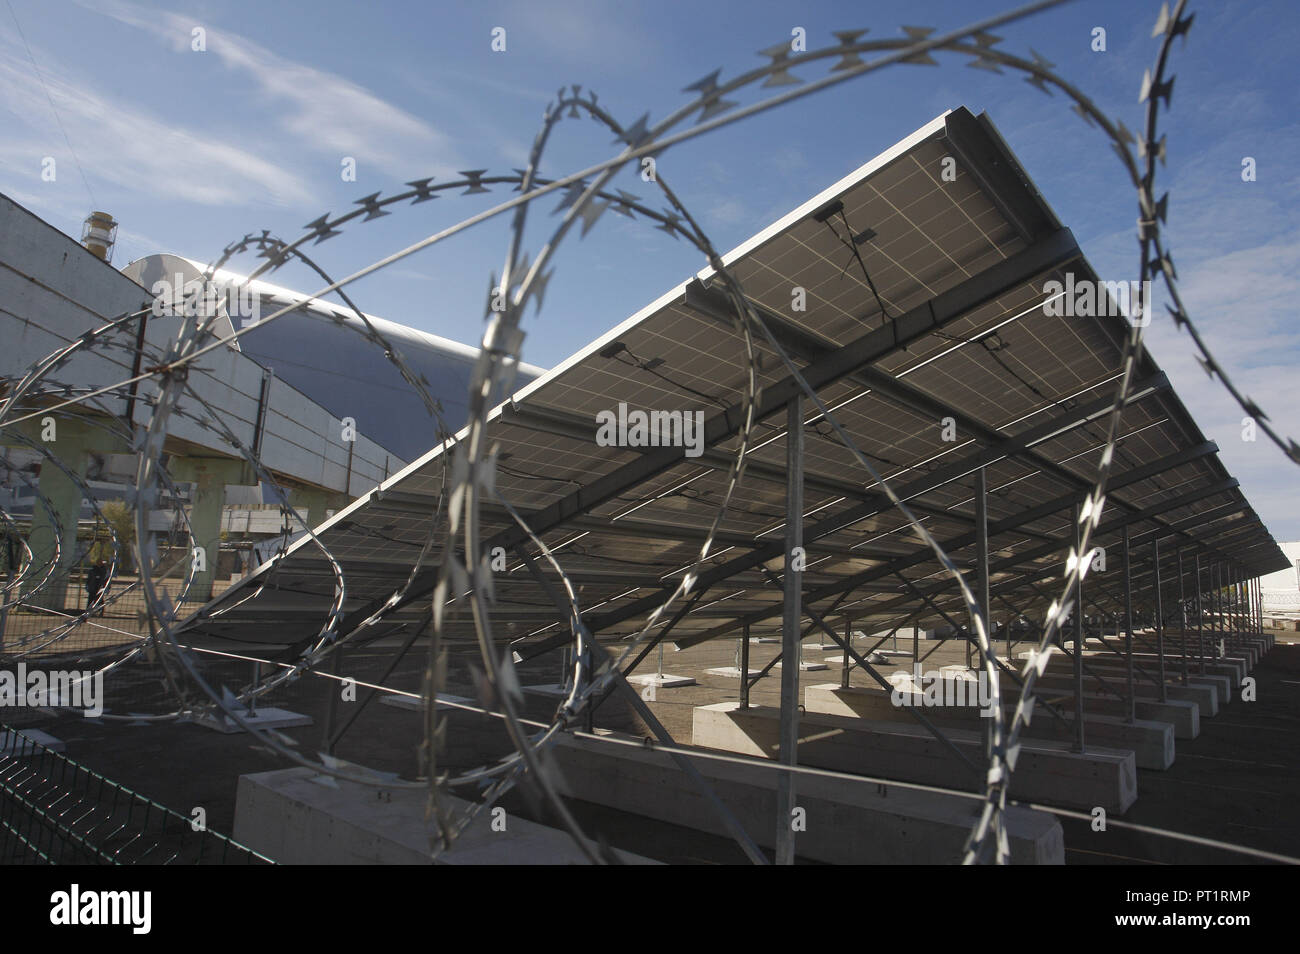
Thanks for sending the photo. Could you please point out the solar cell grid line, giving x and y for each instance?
(807, 346)
(871, 346)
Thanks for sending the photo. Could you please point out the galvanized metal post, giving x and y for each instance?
(1130, 709)
(1254, 616)
(1242, 621)
(848, 644)
(1248, 600)
(1259, 604)
(1239, 622)
(1241, 603)
(1250, 604)
(1200, 618)
(1078, 639)
(743, 665)
(331, 711)
(1229, 620)
(1182, 616)
(1160, 620)
(1216, 600)
(981, 552)
(790, 635)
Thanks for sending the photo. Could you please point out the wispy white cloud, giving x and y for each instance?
(319, 109)
(125, 145)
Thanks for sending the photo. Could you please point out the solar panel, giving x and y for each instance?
(930, 297)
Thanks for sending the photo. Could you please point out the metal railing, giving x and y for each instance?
(56, 811)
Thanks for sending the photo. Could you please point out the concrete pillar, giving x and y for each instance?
(70, 440)
(63, 496)
(210, 475)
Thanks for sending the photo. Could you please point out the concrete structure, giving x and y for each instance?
(1047, 771)
(847, 822)
(318, 349)
(297, 817)
(1281, 590)
(52, 290)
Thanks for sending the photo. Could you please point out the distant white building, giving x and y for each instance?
(1281, 590)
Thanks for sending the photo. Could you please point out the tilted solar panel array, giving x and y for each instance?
(960, 268)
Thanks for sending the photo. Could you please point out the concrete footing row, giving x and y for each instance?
(855, 731)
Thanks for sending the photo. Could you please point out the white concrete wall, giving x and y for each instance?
(1281, 590)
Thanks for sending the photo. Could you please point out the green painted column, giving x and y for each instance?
(210, 475)
(70, 440)
(63, 496)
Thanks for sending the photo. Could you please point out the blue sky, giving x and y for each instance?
(190, 150)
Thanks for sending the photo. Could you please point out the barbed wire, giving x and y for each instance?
(468, 463)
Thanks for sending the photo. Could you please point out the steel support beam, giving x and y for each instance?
(791, 636)
(1078, 636)
(1182, 616)
(981, 555)
(1131, 708)
(1160, 620)
(850, 583)
(1200, 617)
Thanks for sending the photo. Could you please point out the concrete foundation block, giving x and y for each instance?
(267, 717)
(1152, 743)
(411, 704)
(295, 816)
(1204, 698)
(1046, 771)
(661, 680)
(848, 822)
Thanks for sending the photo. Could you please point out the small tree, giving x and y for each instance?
(122, 521)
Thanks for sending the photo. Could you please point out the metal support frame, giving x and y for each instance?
(847, 584)
(845, 664)
(928, 482)
(744, 669)
(791, 636)
(1160, 620)
(1182, 618)
(1216, 606)
(981, 556)
(1027, 578)
(1200, 617)
(1078, 638)
(1130, 711)
(416, 631)
(913, 711)
(328, 737)
(600, 659)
